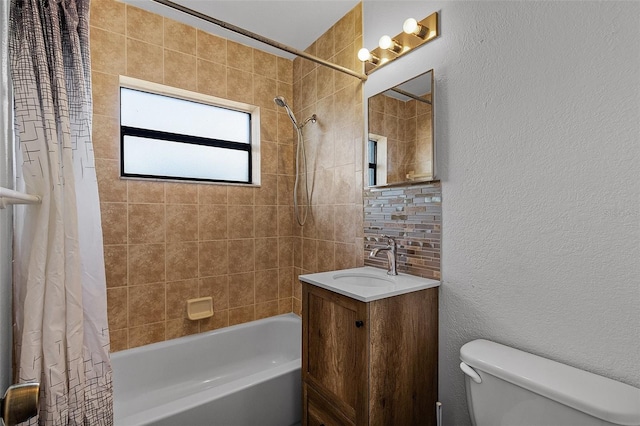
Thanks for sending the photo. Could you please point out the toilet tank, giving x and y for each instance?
(517, 388)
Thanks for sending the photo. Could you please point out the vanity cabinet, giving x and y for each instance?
(369, 363)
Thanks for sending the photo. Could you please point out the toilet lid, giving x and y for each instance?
(595, 395)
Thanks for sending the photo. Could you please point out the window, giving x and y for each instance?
(373, 162)
(376, 160)
(174, 134)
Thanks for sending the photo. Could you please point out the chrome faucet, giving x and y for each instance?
(390, 250)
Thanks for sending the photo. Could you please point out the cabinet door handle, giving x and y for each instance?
(359, 324)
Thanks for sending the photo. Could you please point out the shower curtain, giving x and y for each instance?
(61, 333)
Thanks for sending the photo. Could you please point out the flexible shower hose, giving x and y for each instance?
(300, 153)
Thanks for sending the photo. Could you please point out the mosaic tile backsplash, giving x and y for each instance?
(413, 217)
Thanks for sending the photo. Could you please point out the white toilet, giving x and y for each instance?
(509, 387)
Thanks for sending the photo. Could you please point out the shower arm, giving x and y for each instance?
(258, 37)
(312, 119)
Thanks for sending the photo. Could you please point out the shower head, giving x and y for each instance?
(281, 102)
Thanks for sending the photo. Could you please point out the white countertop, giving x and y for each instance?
(368, 283)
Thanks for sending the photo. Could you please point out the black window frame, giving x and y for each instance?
(187, 139)
(373, 165)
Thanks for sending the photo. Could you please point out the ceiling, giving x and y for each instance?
(296, 23)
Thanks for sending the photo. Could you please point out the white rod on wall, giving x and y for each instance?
(9, 196)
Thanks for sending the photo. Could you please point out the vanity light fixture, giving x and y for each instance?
(415, 33)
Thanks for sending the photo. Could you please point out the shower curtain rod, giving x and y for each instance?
(259, 38)
(9, 196)
(410, 95)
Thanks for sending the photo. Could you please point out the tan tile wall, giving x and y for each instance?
(419, 128)
(168, 242)
(333, 235)
(407, 126)
(387, 118)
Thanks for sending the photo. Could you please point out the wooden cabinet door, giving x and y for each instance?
(335, 350)
(319, 412)
(403, 379)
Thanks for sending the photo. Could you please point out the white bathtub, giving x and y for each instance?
(247, 374)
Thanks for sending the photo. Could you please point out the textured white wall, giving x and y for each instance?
(538, 133)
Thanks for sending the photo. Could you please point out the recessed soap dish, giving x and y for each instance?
(200, 308)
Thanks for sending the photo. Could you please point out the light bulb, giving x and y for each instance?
(410, 26)
(385, 42)
(364, 54)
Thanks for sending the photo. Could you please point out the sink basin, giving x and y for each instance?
(367, 283)
(363, 279)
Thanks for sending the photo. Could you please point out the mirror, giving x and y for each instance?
(400, 146)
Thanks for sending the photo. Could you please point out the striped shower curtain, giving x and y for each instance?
(61, 333)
